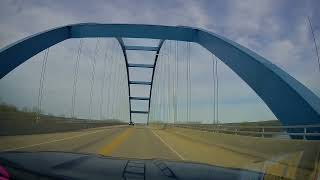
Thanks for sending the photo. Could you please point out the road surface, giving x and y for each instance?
(144, 143)
(117, 141)
(124, 141)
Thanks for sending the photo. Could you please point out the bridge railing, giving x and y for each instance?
(299, 131)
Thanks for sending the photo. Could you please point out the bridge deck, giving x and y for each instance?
(174, 144)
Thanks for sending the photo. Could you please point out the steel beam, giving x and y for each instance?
(140, 82)
(141, 48)
(141, 65)
(139, 112)
(140, 98)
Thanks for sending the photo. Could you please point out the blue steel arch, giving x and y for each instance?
(290, 101)
(123, 47)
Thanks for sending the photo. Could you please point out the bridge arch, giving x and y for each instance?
(290, 101)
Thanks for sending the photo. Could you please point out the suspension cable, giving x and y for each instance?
(123, 93)
(152, 99)
(315, 43)
(187, 44)
(188, 82)
(162, 89)
(190, 85)
(41, 86)
(127, 100)
(167, 83)
(176, 83)
(214, 90)
(186, 60)
(94, 61)
(171, 81)
(158, 93)
(43, 79)
(103, 80)
(115, 85)
(110, 77)
(163, 86)
(156, 98)
(75, 78)
(217, 92)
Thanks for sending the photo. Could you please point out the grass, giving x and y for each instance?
(17, 122)
(11, 112)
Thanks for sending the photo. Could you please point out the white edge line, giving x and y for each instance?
(181, 157)
(56, 140)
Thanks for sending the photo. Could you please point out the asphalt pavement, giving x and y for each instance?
(144, 142)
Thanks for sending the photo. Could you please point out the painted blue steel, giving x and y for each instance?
(140, 82)
(290, 101)
(157, 49)
(152, 78)
(141, 65)
(141, 48)
(140, 112)
(140, 98)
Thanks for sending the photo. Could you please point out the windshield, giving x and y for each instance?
(164, 94)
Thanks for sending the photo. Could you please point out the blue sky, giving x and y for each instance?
(277, 30)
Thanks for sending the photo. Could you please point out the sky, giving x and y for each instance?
(276, 30)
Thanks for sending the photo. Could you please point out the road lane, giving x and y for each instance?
(145, 145)
(118, 141)
(169, 146)
(197, 151)
(87, 140)
(109, 148)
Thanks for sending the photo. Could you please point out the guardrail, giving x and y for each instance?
(298, 131)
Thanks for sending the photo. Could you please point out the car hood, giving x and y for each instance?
(62, 165)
